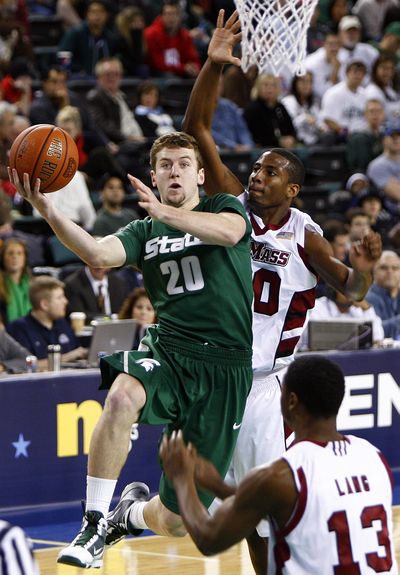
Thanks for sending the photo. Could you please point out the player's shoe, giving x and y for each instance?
(87, 549)
(118, 526)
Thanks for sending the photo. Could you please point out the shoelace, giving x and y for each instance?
(91, 529)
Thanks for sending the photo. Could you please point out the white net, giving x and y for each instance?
(274, 34)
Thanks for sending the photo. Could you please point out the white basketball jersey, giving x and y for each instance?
(284, 287)
(342, 524)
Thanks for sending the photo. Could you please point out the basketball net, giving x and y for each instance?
(274, 34)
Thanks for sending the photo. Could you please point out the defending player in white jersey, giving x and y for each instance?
(328, 498)
(288, 254)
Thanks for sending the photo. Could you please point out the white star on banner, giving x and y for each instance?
(21, 446)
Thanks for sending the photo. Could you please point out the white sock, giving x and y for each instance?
(99, 493)
(136, 518)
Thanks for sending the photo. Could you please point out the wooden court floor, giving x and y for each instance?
(167, 556)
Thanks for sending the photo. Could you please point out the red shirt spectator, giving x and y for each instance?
(170, 49)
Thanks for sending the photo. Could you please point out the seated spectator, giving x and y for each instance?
(352, 49)
(301, 105)
(90, 41)
(94, 157)
(325, 65)
(337, 234)
(316, 32)
(16, 549)
(343, 200)
(359, 224)
(95, 291)
(74, 201)
(390, 41)
(17, 85)
(150, 115)
(110, 110)
(268, 120)
(15, 41)
(372, 14)
(12, 354)
(54, 96)
(382, 87)
(349, 116)
(138, 306)
(384, 294)
(337, 305)
(362, 147)
(130, 25)
(46, 324)
(170, 48)
(229, 129)
(372, 203)
(112, 215)
(384, 171)
(337, 9)
(15, 279)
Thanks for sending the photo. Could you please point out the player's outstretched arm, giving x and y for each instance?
(354, 282)
(107, 252)
(202, 103)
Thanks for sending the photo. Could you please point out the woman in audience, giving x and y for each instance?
(383, 86)
(150, 116)
(12, 354)
(14, 280)
(130, 24)
(138, 306)
(301, 105)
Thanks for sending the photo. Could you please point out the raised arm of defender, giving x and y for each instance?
(202, 103)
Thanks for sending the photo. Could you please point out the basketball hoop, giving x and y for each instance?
(274, 34)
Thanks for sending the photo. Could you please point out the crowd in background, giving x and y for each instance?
(349, 98)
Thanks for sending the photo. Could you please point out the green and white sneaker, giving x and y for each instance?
(118, 526)
(87, 549)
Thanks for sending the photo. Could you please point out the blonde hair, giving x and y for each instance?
(41, 288)
(70, 114)
(255, 91)
(124, 20)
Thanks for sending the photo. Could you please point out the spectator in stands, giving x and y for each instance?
(95, 291)
(316, 32)
(268, 120)
(384, 294)
(71, 12)
(337, 9)
(237, 85)
(170, 48)
(46, 323)
(137, 306)
(324, 65)
(363, 146)
(343, 200)
(337, 234)
(229, 129)
(130, 25)
(75, 202)
(7, 116)
(372, 14)
(359, 224)
(94, 157)
(14, 280)
(372, 203)
(15, 41)
(384, 171)
(55, 96)
(112, 215)
(16, 85)
(337, 305)
(348, 117)
(150, 115)
(382, 86)
(390, 41)
(90, 41)
(110, 110)
(352, 49)
(302, 107)
(12, 354)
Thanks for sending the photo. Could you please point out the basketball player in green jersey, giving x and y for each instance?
(195, 371)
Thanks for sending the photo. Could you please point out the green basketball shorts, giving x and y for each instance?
(199, 389)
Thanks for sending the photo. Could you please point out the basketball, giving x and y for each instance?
(46, 152)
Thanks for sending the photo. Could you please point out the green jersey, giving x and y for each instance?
(200, 292)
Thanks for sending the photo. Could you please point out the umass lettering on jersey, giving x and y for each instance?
(260, 252)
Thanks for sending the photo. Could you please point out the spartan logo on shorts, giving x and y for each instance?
(148, 364)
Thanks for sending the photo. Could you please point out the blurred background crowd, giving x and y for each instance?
(116, 75)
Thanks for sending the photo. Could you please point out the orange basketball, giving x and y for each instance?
(46, 152)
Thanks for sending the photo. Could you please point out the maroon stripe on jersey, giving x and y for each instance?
(259, 231)
(286, 347)
(300, 505)
(296, 315)
(389, 471)
(304, 257)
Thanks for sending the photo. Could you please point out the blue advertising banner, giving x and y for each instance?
(46, 421)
